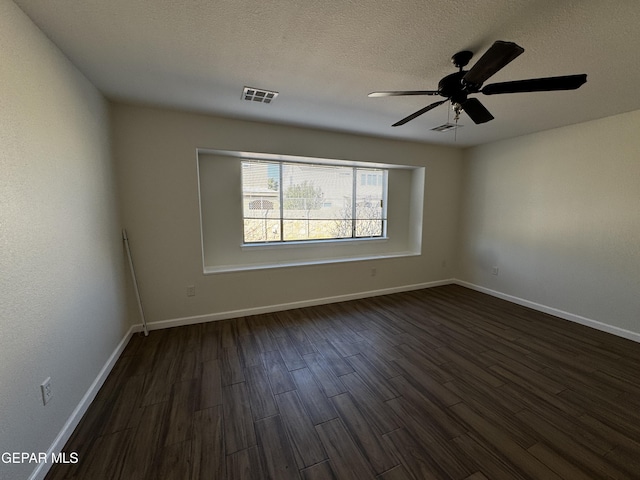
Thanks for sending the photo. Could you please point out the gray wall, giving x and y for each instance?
(559, 213)
(62, 308)
(155, 150)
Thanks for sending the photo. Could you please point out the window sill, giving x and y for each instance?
(208, 270)
(312, 243)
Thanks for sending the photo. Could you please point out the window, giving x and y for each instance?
(250, 219)
(290, 201)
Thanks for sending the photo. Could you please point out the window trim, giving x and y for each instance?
(310, 243)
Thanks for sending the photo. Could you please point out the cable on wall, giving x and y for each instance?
(135, 282)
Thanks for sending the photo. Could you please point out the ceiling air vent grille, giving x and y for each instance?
(257, 95)
(446, 127)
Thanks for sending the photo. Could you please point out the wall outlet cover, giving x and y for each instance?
(47, 393)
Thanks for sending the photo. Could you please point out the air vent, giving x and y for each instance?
(447, 127)
(257, 95)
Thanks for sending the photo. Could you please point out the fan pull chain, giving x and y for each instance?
(456, 108)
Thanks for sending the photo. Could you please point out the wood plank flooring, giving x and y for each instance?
(443, 383)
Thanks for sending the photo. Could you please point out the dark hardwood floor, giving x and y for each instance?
(443, 383)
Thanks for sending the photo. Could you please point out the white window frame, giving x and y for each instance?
(357, 170)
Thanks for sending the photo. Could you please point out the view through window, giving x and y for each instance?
(285, 201)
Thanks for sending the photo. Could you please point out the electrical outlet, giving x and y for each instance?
(494, 270)
(47, 393)
(191, 291)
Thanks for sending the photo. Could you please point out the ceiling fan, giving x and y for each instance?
(458, 86)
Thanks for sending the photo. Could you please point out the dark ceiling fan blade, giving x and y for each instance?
(548, 84)
(418, 113)
(476, 111)
(494, 59)
(404, 92)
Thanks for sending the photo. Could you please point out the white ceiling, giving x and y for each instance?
(325, 56)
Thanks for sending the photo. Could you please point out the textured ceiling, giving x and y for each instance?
(324, 57)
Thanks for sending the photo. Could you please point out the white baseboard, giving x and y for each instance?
(72, 422)
(620, 332)
(178, 322)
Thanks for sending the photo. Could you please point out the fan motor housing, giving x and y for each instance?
(452, 87)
